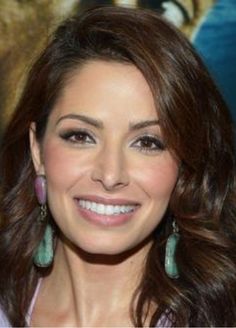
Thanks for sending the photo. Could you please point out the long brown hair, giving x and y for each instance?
(197, 128)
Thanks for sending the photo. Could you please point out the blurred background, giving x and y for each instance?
(25, 26)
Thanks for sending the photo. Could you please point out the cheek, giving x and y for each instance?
(63, 166)
(158, 178)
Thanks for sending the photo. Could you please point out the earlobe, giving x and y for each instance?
(35, 150)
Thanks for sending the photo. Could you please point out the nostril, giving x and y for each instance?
(110, 179)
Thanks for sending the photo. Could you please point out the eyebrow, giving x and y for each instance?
(143, 124)
(98, 124)
(89, 120)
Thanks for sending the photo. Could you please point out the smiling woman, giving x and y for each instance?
(131, 149)
(102, 159)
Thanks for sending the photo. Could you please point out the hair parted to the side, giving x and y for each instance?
(197, 128)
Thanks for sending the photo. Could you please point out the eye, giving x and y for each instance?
(78, 137)
(149, 144)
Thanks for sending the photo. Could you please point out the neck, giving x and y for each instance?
(91, 289)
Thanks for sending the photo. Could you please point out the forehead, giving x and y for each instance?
(106, 87)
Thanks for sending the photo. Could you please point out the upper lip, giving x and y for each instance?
(107, 201)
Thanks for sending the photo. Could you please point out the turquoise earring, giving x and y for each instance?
(171, 268)
(44, 253)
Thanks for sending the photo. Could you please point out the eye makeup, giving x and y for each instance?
(149, 143)
(77, 136)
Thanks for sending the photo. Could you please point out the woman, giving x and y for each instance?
(130, 148)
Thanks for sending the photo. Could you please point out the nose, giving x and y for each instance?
(110, 169)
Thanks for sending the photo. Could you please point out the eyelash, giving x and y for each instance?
(153, 143)
(71, 136)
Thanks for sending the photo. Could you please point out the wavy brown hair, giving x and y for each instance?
(197, 128)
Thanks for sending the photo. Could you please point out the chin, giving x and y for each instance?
(104, 248)
(111, 249)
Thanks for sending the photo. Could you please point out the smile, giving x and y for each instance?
(106, 209)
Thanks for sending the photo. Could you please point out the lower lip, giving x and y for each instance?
(105, 220)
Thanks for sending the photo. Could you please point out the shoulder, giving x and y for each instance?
(4, 322)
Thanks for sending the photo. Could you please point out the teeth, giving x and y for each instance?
(103, 209)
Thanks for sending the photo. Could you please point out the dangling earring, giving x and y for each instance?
(44, 253)
(171, 268)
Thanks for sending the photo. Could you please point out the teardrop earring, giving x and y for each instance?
(171, 268)
(44, 253)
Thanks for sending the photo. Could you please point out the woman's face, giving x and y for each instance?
(109, 175)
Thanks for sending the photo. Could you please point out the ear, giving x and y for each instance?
(35, 149)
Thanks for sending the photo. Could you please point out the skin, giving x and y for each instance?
(98, 264)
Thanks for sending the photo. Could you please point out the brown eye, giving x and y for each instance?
(78, 136)
(149, 144)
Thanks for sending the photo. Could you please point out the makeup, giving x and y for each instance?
(106, 212)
